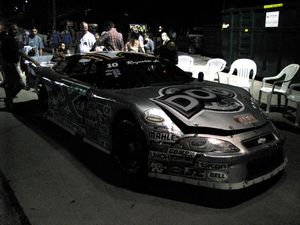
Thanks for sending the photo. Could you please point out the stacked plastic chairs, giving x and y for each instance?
(280, 86)
(185, 63)
(245, 70)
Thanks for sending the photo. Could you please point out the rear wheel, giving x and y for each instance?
(130, 147)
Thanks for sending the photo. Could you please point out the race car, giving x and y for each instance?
(159, 121)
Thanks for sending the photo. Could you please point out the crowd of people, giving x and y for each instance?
(15, 44)
(110, 39)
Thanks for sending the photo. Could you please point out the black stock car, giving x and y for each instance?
(156, 119)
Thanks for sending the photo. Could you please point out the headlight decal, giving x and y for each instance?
(208, 144)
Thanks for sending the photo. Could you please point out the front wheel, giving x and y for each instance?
(130, 147)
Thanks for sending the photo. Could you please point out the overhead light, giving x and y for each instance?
(278, 5)
(225, 25)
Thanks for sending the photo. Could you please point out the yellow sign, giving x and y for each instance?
(273, 6)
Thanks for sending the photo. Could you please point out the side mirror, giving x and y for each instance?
(200, 76)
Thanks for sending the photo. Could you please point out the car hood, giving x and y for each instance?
(204, 105)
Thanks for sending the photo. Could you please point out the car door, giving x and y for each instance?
(74, 90)
(99, 108)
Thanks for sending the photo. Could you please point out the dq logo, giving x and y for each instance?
(191, 101)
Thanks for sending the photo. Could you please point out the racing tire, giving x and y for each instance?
(130, 148)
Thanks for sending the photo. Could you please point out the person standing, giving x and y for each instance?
(54, 40)
(111, 39)
(149, 44)
(36, 42)
(10, 52)
(66, 37)
(32, 46)
(86, 39)
(3, 34)
(168, 49)
(133, 45)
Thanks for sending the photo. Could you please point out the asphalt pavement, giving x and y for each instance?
(12, 212)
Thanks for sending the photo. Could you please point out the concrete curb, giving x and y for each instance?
(11, 212)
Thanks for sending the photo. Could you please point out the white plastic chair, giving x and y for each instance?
(185, 63)
(293, 96)
(245, 73)
(213, 67)
(284, 78)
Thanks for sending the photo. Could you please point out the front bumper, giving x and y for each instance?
(220, 185)
(218, 171)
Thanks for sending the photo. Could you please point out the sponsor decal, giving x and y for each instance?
(217, 175)
(213, 166)
(181, 159)
(188, 102)
(160, 136)
(192, 172)
(176, 170)
(141, 62)
(245, 119)
(157, 167)
(160, 156)
(91, 124)
(180, 152)
(79, 104)
(179, 156)
(113, 72)
(67, 99)
(72, 97)
(97, 117)
(104, 110)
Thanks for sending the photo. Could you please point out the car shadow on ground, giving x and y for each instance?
(99, 164)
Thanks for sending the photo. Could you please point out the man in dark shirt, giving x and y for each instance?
(2, 36)
(168, 49)
(10, 52)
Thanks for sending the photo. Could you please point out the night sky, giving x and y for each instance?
(186, 14)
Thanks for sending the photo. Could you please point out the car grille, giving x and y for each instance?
(265, 163)
(253, 142)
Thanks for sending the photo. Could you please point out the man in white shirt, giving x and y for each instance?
(86, 39)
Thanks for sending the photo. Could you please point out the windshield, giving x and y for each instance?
(141, 73)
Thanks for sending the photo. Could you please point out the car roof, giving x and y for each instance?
(123, 55)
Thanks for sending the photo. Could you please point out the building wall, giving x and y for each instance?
(272, 48)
